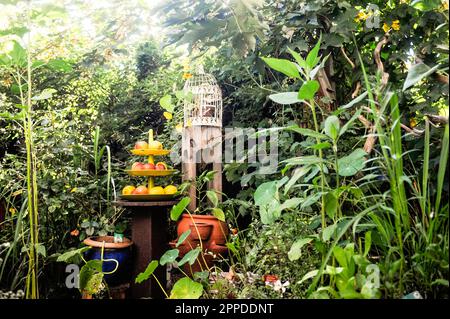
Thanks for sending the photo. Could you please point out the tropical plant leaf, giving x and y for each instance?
(191, 257)
(308, 90)
(69, 255)
(186, 288)
(166, 103)
(169, 257)
(183, 237)
(351, 164)
(332, 126)
(148, 272)
(212, 196)
(284, 66)
(285, 98)
(416, 73)
(266, 193)
(296, 249)
(218, 213)
(179, 208)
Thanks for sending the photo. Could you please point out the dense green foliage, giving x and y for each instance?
(338, 202)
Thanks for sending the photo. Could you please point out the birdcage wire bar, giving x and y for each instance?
(204, 106)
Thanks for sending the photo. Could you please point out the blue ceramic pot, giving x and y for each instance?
(116, 258)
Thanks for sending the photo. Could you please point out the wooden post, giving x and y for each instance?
(149, 235)
(200, 143)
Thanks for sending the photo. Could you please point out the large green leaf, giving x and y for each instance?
(266, 193)
(186, 288)
(285, 98)
(93, 283)
(59, 65)
(284, 66)
(191, 257)
(270, 213)
(218, 213)
(179, 208)
(296, 249)
(426, 5)
(308, 90)
(68, 256)
(148, 272)
(212, 196)
(166, 103)
(351, 164)
(416, 73)
(169, 257)
(90, 269)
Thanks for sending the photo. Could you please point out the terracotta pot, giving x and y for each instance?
(200, 231)
(219, 230)
(214, 242)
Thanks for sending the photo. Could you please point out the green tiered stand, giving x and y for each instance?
(149, 225)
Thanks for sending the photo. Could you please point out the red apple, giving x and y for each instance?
(141, 145)
(148, 166)
(137, 166)
(160, 167)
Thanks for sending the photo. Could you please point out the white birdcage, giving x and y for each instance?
(203, 105)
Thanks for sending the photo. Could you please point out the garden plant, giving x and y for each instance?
(355, 92)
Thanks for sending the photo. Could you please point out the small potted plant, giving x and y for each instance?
(115, 251)
(206, 225)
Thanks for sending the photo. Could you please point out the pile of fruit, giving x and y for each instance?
(138, 166)
(142, 148)
(152, 145)
(143, 190)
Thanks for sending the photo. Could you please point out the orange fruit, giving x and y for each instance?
(157, 190)
(127, 190)
(170, 189)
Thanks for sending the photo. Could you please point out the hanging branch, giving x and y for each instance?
(371, 139)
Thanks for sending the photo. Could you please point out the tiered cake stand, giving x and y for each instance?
(149, 225)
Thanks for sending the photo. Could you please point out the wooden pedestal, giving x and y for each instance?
(149, 235)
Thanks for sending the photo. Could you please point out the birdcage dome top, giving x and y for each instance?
(204, 103)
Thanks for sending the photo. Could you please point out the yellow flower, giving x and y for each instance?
(179, 127)
(188, 123)
(73, 190)
(361, 16)
(445, 4)
(12, 210)
(187, 75)
(168, 115)
(413, 122)
(396, 25)
(385, 27)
